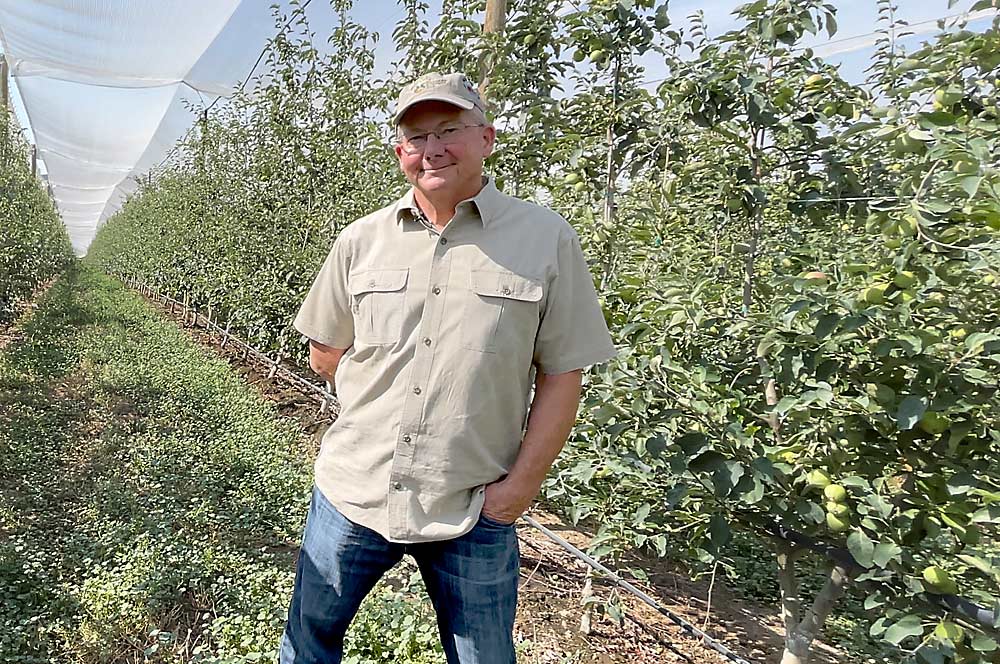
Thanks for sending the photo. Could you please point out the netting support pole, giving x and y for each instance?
(4, 90)
(495, 22)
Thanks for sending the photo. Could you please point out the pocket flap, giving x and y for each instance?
(377, 281)
(505, 284)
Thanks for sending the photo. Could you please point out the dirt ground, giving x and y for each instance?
(551, 609)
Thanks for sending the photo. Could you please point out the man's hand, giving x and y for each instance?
(506, 500)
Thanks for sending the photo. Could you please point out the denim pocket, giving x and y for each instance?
(494, 523)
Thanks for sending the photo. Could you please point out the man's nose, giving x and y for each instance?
(435, 145)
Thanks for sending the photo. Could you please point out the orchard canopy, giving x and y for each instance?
(797, 254)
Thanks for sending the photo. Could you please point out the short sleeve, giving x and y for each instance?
(572, 334)
(325, 315)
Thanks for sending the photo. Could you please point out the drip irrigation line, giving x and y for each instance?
(661, 639)
(327, 399)
(318, 392)
(646, 599)
(327, 396)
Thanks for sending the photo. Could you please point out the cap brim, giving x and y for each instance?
(464, 104)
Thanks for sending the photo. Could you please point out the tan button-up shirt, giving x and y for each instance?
(443, 331)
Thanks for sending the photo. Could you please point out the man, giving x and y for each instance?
(434, 317)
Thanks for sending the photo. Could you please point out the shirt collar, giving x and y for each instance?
(486, 204)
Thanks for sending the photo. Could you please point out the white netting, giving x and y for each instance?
(104, 85)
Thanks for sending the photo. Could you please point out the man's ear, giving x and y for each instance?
(490, 137)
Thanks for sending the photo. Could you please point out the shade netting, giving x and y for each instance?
(106, 85)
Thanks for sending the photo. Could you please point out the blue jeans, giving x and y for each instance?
(472, 581)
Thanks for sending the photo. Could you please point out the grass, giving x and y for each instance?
(150, 501)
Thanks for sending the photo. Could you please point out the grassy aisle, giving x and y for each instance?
(150, 502)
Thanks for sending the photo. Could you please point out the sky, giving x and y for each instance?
(232, 54)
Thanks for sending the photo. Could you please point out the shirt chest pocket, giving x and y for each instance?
(378, 299)
(501, 311)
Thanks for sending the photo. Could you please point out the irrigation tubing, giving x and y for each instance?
(628, 587)
(952, 603)
(326, 395)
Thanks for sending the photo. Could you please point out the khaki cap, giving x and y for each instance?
(455, 89)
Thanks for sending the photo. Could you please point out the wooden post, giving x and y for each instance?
(4, 89)
(34, 161)
(225, 335)
(496, 20)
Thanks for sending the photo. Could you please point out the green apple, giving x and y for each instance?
(939, 580)
(934, 423)
(874, 294)
(816, 81)
(904, 279)
(948, 96)
(835, 493)
(907, 226)
(837, 524)
(818, 478)
(839, 510)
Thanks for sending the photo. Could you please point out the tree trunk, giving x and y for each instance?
(801, 630)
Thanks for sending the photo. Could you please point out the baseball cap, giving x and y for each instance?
(455, 89)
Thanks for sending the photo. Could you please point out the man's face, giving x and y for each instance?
(451, 167)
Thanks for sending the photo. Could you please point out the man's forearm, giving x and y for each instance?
(553, 412)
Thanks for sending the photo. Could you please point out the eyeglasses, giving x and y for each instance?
(449, 135)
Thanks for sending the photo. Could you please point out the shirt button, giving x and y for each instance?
(436, 291)
(416, 390)
(427, 342)
(406, 438)
(398, 486)
(506, 291)
(444, 240)
(371, 284)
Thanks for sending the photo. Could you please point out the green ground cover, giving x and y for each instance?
(150, 501)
